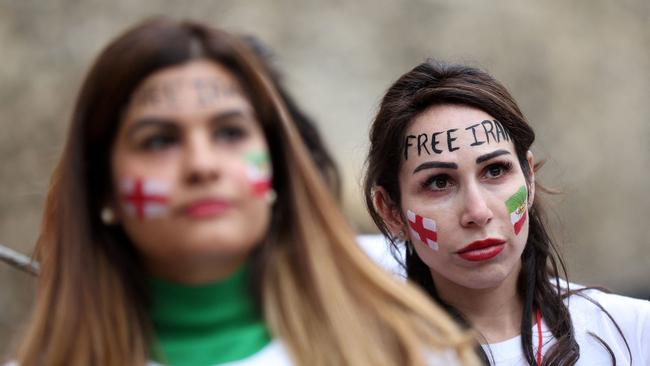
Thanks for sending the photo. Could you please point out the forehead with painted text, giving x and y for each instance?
(463, 196)
(191, 172)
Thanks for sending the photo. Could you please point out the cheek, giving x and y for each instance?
(517, 209)
(143, 198)
(423, 229)
(160, 171)
(258, 172)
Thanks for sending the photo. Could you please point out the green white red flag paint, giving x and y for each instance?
(516, 205)
(423, 228)
(259, 172)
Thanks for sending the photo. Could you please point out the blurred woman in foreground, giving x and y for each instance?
(186, 224)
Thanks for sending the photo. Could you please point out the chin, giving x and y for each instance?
(487, 278)
(482, 284)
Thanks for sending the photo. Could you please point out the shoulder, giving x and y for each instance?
(378, 248)
(595, 302)
(274, 354)
(603, 314)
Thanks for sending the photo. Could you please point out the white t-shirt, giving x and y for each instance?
(377, 247)
(631, 315)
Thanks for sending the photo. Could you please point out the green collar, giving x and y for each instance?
(206, 324)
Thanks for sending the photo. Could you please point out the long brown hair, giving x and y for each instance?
(318, 292)
(433, 83)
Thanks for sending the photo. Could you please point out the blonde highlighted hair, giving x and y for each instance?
(319, 292)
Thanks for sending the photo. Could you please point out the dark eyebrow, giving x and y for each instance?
(491, 155)
(231, 114)
(435, 164)
(170, 124)
(156, 122)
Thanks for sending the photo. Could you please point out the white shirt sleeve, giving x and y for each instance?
(633, 318)
(377, 247)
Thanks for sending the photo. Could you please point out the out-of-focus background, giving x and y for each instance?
(580, 71)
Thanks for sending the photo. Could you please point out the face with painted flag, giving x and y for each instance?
(192, 173)
(464, 197)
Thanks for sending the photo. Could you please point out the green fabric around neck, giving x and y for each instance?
(205, 324)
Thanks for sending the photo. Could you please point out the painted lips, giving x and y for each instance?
(482, 250)
(206, 208)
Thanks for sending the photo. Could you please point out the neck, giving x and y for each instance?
(494, 312)
(206, 324)
(195, 270)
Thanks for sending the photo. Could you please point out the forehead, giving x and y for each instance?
(193, 86)
(454, 132)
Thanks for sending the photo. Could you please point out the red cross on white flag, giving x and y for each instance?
(423, 229)
(144, 198)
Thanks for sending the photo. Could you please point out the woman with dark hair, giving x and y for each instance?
(450, 173)
(185, 223)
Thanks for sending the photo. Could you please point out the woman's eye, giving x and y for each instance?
(496, 170)
(229, 133)
(438, 182)
(157, 142)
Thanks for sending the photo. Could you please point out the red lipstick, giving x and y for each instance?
(206, 208)
(482, 250)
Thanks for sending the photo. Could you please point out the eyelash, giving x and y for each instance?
(434, 178)
(230, 133)
(162, 141)
(157, 142)
(504, 166)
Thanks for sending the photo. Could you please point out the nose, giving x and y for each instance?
(200, 163)
(476, 211)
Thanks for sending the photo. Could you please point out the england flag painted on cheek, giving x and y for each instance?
(424, 229)
(144, 198)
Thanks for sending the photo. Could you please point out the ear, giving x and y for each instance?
(531, 178)
(388, 211)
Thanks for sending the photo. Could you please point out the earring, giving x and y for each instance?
(107, 215)
(270, 196)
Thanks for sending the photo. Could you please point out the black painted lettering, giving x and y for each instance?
(407, 143)
(422, 141)
(451, 139)
(435, 142)
(488, 132)
(476, 141)
(501, 130)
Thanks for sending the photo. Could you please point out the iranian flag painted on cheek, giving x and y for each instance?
(516, 205)
(258, 169)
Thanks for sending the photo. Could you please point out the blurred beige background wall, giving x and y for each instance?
(579, 69)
